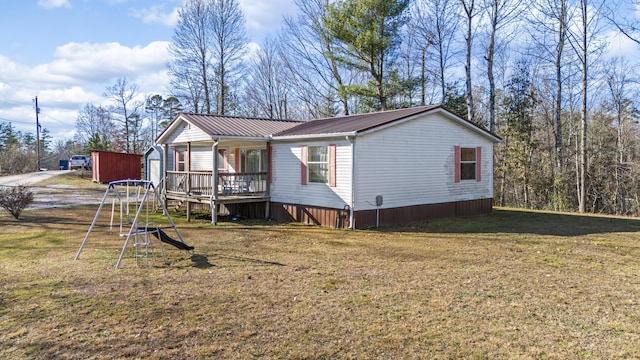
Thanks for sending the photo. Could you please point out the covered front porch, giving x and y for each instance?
(238, 174)
(219, 160)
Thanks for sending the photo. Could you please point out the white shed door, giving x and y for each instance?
(154, 171)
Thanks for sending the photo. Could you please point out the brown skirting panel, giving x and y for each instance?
(409, 214)
(339, 218)
(335, 218)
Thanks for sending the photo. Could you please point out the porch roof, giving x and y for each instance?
(229, 126)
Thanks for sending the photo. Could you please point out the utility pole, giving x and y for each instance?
(37, 136)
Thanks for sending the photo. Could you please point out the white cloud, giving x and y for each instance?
(252, 51)
(154, 83)
(620, 46)
(266, 15)
(78, 75)
(155, 15)
(69, 97)
(10, 71)
(102, 62)
(53, 4)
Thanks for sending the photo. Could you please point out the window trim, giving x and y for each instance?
(477, 162)
(331, 165)
(177, 162)
(315, 162)
(471, 174)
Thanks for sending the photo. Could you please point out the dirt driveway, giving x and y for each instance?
(50, 196)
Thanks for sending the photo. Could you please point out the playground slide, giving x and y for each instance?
(162, 236)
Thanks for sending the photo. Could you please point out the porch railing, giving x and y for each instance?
(231, 184)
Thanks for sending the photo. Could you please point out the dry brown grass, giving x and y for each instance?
(79, 178)
(511, 285)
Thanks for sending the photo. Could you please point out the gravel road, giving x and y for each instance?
(51, 196)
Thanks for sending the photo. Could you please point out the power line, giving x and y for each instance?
(9, 103)
(52, 118)
(16, 121)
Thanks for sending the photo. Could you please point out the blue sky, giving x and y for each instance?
(66, 52)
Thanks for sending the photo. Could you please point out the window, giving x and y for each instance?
(180, 156)
(232, 160)
(222, 160)
(253, 160)
(318, 164)
(467, 164)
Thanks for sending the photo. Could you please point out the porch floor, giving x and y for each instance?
(222, 198)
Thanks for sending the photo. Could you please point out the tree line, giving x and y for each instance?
(535, 73)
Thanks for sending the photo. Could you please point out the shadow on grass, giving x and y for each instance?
(250, 260)
(201, 261)
(525, 222)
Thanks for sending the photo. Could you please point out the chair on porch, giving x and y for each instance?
(235, 184)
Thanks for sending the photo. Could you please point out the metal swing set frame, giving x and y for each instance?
(132, 196)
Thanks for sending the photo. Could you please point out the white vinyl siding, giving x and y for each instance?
(185, 133)
(201, 159)
(286, 186)
(413, 163)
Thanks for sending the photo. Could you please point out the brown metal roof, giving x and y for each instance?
(221, 125)
(363, 122)
(353, 123)
(233, 126)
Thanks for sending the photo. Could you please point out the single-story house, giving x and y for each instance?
(354, 171)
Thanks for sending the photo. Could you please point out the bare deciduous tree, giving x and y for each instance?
(470, 13)
(437, 23)
(94, 120)
(310, 55)
(228, 47)
(208, 44)
(127, 109)
(190, 67)
(501, 13)
(267, 94)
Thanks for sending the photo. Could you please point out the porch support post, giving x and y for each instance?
(352, 206)
(165, 165)
(267, 209)
(214, 183)
(187, 159)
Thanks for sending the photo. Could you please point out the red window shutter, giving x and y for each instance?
(270, 156)
(303, 165)
(478, 164)
(456, 160)
(332, 165)
(237, 164)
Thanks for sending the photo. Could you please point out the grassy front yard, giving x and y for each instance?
(515, 284)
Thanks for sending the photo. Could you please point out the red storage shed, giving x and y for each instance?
(110, 166)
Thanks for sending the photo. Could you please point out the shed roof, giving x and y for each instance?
(231, 126)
